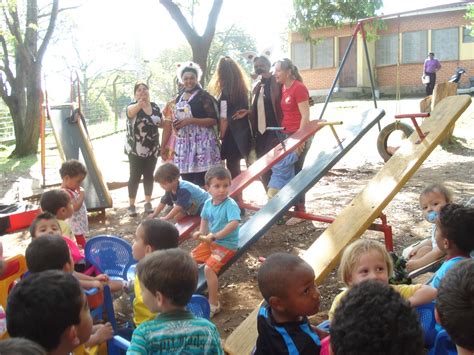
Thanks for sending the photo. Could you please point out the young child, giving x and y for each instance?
(17, 346)
(168, 279)
(282, 173)
(72, 173)
(291, 295)
(367, 259)
(59, 203)
(454, 305)
(372, 318)
(186, 198)
(50, 309)
(219, 230)
(151, 235)
(432, 198)
(454, 236)
(51, 253)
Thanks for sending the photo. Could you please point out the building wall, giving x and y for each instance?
(409, 75)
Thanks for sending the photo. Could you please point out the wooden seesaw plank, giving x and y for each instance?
(256, 170)
(352, 222)
(319, 160)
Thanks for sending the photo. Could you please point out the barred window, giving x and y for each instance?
(301, 55)
(445, 43)
(323, 53)
(414, 47)
(386, 50)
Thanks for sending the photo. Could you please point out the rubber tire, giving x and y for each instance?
(385, 133)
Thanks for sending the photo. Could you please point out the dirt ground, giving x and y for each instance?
(239, 293)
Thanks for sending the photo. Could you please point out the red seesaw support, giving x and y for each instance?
(413, 117)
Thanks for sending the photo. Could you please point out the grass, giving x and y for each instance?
(15, 165)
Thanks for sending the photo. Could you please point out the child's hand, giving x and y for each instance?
(412, 265)
(102, 278)
(196, 235)
(150, 216)
(104, 332)
(207, 238)
(97, 284)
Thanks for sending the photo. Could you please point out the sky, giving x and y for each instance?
(146, 29)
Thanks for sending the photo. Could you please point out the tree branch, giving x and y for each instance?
(211, 22)
(14, 27)
(49, 32)
(180, 20)
(6, 69)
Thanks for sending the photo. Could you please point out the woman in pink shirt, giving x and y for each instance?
(295, 107)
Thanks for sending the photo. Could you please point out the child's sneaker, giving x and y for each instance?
(148, 208)
(215, 309)
(132, 211)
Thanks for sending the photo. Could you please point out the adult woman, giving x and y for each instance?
(196, 147)
(295, 108)
(229, 86)
(142, 145)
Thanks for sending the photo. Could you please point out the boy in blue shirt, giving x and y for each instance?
(168, 279)
(185, 197)
(219, 230)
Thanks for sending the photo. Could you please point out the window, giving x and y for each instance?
(386, 50)
(323, 53)
(301, 55)
(445, 43)
(467, 37)
(414, 47)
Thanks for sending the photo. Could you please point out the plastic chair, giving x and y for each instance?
(110, 255)
(428, 322)
(443, 345)
(15, 268)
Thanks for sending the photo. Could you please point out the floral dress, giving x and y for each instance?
(196, 147)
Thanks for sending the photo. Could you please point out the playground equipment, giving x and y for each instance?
(324, 253)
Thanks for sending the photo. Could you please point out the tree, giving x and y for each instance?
(470, 17)
(312, 14)
(200, 45)
(23, 50)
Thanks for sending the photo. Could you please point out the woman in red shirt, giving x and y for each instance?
(295, 108)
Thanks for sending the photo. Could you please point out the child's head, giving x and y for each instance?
(167, 175)
(432, 198)
(16, 346)
(154, 234)
(50, 252)
(365, 259)
(287, 283)
(168, 278)
(45, 224)
(57, 202)
(50, 309)
(72, 172)
(455, 229)
(218, 180)
(455, 304)
(373, 318)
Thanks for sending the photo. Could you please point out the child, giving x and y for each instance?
(59, 203)
(50, 309)
(72, 173)
(17, 346)
(454, 236)
(187, 198)
(51, 253)
(282, 173)
(454, 305)
(287, 285)
(46, 223)
(168, 279)
(432, 198)
(367, 259)
(372, 318)
(219, 230)
(151, 235)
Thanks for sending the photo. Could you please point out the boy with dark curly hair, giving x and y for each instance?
(454, 236)
(373, 318)
(168, 279)
(455, 305)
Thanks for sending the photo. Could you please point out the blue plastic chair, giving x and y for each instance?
(443, 345)
(428, 322)
(110, 255)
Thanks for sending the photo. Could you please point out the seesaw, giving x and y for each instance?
(352, 222)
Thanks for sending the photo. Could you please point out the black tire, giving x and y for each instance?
(385, 133)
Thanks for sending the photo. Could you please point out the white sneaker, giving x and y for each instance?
(215, 309)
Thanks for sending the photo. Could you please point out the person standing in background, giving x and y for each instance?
(431, 66)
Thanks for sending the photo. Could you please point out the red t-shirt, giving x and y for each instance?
(290, 98)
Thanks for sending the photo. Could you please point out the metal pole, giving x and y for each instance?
(346, 54)
(114, 86)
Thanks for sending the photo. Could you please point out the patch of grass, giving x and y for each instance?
(15, 165)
